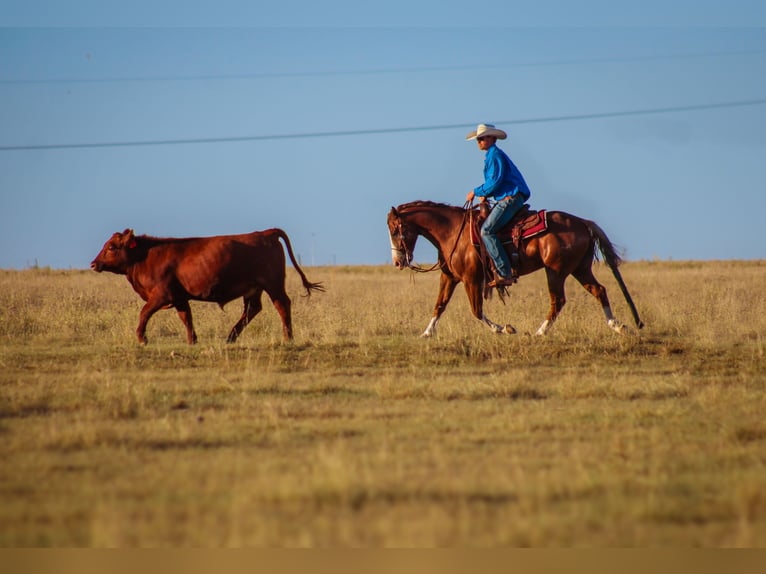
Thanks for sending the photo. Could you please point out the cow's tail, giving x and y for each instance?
(308, 285)
(613, 261)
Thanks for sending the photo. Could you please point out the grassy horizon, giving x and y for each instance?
(359, 433)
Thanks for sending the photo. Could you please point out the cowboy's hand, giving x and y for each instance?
(470, 196)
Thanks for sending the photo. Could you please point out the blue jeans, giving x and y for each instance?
(500, 215)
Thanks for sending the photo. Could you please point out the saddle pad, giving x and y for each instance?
(532, 224)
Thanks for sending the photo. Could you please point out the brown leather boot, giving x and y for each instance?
(500, 281)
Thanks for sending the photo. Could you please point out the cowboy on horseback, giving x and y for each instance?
(504, 184)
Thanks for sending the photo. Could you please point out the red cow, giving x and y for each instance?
(170, 272)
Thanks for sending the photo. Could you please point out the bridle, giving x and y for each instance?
(402, 249)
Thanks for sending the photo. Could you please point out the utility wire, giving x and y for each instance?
(339, 133)
(465, 68)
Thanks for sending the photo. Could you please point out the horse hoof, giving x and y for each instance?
(617, 327)
(509, 330)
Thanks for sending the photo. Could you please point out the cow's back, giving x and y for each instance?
(220, 268)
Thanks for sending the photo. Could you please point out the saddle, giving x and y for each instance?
(525, 224)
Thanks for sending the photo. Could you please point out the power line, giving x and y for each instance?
(424, 69)
(378, 131)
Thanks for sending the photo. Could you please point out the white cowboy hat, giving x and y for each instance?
(486, 130)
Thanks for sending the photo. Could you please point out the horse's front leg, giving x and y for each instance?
(474, 289)
(507, 329)
(447, 286)
(558, 299)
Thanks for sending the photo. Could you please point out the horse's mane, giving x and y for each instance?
(421, 203)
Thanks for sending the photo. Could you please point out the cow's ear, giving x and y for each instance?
(129, 238)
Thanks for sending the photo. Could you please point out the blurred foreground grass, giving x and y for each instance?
(361, 434)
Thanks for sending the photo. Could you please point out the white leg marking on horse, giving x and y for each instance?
(431, 329)
(616, 326)
(544, 328)
(494, 326)
(613, 323)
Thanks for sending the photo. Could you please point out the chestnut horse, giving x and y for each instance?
(568, 247)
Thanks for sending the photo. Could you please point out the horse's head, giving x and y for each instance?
(403, 238)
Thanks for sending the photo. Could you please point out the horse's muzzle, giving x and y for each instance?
(400, 260)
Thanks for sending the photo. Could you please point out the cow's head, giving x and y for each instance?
(117, 253)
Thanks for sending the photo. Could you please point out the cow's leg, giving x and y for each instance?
(149, 309)
(446, 288)
(185, 314)
(252, 306)
(283, 305)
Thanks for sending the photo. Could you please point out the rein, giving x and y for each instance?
(403, 249)
(418, 269)
(468, 214)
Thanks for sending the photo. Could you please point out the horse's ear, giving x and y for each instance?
(394, 212)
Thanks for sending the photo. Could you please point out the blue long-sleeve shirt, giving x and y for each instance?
(501, 177)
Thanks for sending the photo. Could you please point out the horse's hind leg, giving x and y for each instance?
(558, 299)
(584, 274)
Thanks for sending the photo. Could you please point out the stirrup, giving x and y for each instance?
(500, 281)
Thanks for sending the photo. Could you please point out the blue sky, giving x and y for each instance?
(649, 118)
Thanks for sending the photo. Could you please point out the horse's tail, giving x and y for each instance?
(308, 285)
(613, 260)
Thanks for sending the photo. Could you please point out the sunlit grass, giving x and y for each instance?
(359, 433)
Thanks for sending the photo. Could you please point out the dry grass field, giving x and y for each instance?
(359, 433)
